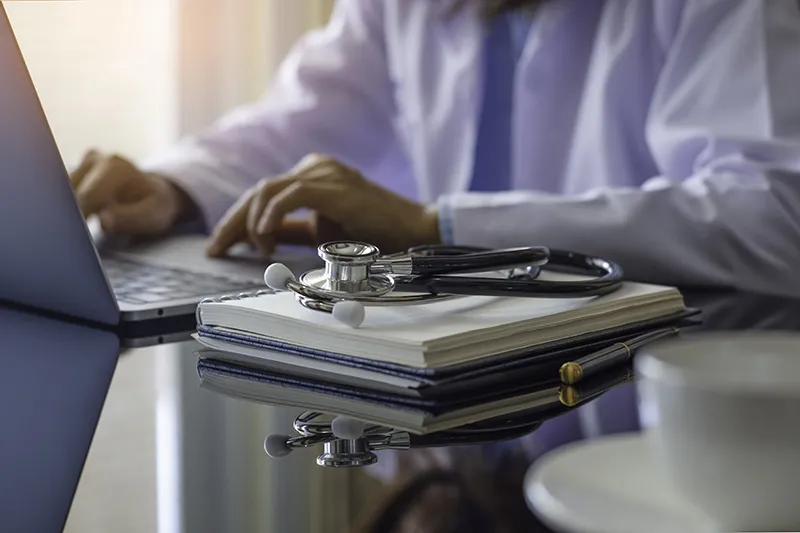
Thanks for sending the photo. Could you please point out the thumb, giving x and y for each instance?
(142, 217)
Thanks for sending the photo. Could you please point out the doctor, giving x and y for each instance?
(662, 134)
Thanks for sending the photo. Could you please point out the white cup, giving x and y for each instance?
(722, 412)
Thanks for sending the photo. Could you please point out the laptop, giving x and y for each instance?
(51, 260)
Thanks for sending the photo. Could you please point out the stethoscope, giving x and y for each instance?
(351, 443)
(357, 275)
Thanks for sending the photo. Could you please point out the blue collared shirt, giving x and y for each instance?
(505, 42)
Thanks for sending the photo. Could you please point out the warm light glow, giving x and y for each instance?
(102, 69)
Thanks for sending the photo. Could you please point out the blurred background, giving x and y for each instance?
(132, 76)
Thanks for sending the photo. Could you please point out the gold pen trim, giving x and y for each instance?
(627, 348)
(570, 373)
(569, 396)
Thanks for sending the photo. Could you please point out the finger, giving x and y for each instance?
(256, 207)
(242, 219)
(316, 166)
(299, 195)
(311, 161)
(234, 228)
(289, 232)
(99, 188)
(144, 217)
(299, 231)
(231, 229)
(266, 242)
(269, 188)
(88, 161)
(308, 231)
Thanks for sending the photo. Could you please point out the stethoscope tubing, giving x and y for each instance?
(609, 275)
(608, 278)
(500, 287)
(471, 261)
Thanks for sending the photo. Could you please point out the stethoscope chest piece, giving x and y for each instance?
(346, 454)
(374, 285)
(348, 273)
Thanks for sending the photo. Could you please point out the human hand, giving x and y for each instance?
(343, 205)
(126, 199)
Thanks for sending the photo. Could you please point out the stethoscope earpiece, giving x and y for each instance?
(277, 277)
(349, 312)
(276, 445)
(343, 427)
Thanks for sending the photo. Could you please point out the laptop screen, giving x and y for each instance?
(49, 260)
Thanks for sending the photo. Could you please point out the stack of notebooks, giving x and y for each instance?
(422, 368)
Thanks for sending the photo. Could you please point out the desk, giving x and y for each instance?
(222, 480)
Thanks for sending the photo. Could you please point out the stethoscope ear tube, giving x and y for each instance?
(608, 278)
(481, 261)
(500, 287)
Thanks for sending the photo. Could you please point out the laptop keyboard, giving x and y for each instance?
(139, 283)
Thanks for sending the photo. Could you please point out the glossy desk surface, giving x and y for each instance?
(57, 373)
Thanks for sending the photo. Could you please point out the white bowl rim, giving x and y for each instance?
(652, 362)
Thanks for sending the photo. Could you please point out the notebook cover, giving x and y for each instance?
(539, 359)
(589, 389)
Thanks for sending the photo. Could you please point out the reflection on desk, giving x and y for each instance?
(54, 380)
(55, 377)
(720, 311)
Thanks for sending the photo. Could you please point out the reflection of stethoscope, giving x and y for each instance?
(349, 443)
(356, 275)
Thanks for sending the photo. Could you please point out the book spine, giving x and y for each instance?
(227, 298)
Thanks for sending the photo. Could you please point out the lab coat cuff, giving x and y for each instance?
(445, 217)
(199, 181)
(489, 219)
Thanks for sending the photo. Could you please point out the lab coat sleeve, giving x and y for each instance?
(331, 95)
(728, 101)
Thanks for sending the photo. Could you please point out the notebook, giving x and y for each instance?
(416, 415)
(435, 335)
(531, 365)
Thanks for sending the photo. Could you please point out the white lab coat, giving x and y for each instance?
(663, 134)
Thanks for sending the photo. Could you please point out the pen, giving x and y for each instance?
(573, 395)
(572, 372)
